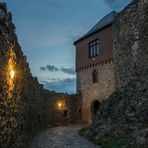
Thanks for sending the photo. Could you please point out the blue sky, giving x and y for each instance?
(46, 31)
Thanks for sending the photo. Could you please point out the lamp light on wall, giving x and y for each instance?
(12, 74)
(60, 105)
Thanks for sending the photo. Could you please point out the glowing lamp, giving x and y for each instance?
(59, 104)
(12, 73)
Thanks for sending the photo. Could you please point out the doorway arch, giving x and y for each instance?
(94, 109)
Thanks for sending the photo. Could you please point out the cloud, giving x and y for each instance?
(68, 70)
(52, 68)
(49, 68)
(49, 81)
(64, 85)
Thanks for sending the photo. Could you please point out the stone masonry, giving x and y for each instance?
(130, 49)
(69, 112)
(25, 107)
(95, 91)
(102, 63)
(124, 115)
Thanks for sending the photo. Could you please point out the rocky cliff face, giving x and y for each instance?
(25, 106)
(125, 114)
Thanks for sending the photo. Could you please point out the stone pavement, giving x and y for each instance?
(61, 137)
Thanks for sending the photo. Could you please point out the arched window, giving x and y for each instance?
(95, 76)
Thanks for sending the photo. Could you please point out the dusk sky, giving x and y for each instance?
(46, 31)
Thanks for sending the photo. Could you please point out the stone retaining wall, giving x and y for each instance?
(131, 42)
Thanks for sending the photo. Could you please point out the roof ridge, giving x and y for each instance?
(112, 12)
(106, 20)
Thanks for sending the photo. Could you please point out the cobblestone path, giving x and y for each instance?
(61, 137)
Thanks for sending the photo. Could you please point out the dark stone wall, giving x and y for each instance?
(25, 107)
(125, 112)
(22, 97)
(69, 112)
(130, 42)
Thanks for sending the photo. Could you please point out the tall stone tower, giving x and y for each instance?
(94, 66)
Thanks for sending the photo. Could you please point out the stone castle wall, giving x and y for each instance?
(25, 107)
(125, 112)
(85, 66)
(131, 42)
(95, 91)
(69, 112)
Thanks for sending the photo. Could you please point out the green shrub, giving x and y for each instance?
(82, 131)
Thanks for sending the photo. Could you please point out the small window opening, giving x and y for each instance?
(95, 76)
(80, 111)
(65, 113)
